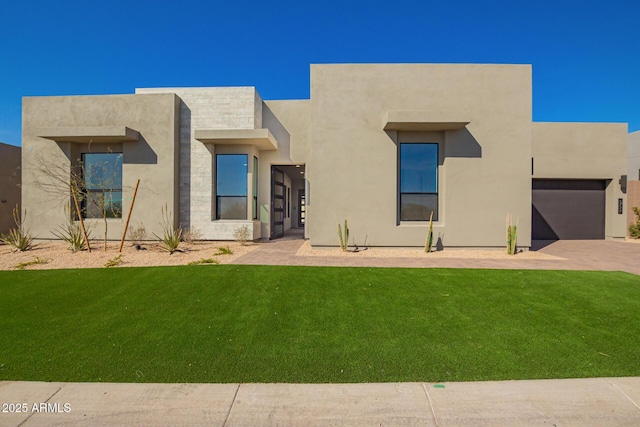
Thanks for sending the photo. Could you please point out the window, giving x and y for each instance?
(418, 182)
(102, 185)
(255, 188)
(231, 186)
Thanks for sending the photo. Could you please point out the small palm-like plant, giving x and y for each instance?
(19, 238)
(171, 236)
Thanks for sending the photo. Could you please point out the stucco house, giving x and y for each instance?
(9, 185)
(382, 145)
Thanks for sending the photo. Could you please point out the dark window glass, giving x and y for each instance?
(255, 188)
(102, 182)
(231, 186)
(418, 182)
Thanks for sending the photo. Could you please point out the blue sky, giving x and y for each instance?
(585, 54)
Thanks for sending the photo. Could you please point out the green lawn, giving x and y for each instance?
(316, 324)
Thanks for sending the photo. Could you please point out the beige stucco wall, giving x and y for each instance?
(633, 156)
(10, 178)
(585, 151)
(633, 171)
(485, 167)
(153, 159)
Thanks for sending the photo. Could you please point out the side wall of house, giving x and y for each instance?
(484, 171)
(633, 176)
(153, 158)
(10, 179)
(585, 151)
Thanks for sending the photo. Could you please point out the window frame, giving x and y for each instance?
(227, 196)
(255, 188)
(436, 211)
(86, 192)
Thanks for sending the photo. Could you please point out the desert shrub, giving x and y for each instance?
(19, 238)
(36, 261)
(114, 261)
(137, 234)
(242, 235)
(205, 261)
(224, 250)
(191, 235)
(634, 228)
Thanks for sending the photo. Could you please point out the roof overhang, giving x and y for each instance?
(425, 120)
(83, 134)
(263, 139)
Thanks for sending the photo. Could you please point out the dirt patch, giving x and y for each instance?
(56, 255)
(307, 250)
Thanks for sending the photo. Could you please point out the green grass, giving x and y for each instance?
(316, 324)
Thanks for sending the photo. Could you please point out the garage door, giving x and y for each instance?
(568, 209)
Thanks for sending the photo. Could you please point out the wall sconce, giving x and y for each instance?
(623, 183)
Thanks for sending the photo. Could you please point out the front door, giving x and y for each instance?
(277, 203)
(301, 208)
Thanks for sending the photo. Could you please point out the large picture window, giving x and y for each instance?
(418, 182)
(231, 186)
(102, 185)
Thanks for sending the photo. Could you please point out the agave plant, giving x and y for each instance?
(19, 238)
(171, 236)
(72, 234)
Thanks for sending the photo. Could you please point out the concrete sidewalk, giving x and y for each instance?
(574, 402)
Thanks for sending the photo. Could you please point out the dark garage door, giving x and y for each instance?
(568, 209)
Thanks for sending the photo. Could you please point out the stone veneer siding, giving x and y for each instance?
(208, 108)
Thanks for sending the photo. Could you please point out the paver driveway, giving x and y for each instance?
(578, 255)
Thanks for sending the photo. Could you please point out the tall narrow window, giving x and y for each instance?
(255, 188)
(231, 186)
(102, 185)
(418, 182)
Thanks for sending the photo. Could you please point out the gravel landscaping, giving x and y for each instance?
(55, 254)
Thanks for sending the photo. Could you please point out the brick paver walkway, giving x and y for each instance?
(580, 255)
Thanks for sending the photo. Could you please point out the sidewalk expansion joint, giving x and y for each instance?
(46, 401)
(625, 394)
(226, 419)
(433, 412)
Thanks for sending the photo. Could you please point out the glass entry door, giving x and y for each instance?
(277, 203)
(301, 208)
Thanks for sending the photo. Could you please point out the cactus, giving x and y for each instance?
(428, 247)
(344, 240)
(512, 235)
